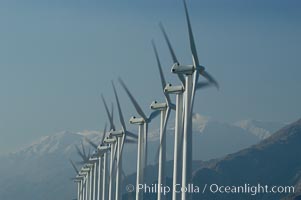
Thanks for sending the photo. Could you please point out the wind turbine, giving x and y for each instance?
(112, 141)
(84, 160)
(164, 109)
(178, 139)
(99, 155)
(102, 151)
(94, 160)
(142, 138)
(79, 180)
(191, 73)
(122, 137)
(85, 171)
(89, 164)
(85, 174)
(104, 172)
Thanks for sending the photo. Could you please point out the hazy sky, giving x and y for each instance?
(58, 56)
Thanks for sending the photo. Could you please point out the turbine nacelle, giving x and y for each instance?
(103, 148)
(116, 133)
(182, 69)
(158, 106)
(88, 166)
(83, 173)
(109, 140)
(173, 89)
(79, 177)
(135, 120)
(93, 159)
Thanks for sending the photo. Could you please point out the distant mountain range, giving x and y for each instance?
(275, 161)
(42, 171)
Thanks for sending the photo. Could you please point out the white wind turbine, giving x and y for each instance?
(112, 141)
(116, 141)
(85, 171)
(102, 151)
(87, 162)
(100, 154)
(164, 109)
(178, 139)
(98, 157)
(122, 137)
(93, 176)
(79, 180)
(142, 138)
(191, 79)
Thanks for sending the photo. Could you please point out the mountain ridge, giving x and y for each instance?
(274, 161)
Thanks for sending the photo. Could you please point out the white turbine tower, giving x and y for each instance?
(142, 139)
(165, 109)
(177, 165)
(122, 136)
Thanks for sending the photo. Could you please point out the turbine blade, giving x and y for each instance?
(172, 106)
(104, 134)
(130, 134)
(210, 78)
(83, 149)
(121, 149)
(119, 108)
(80, 162)
(112, 115)
(172, 53)
(201, 85)
(91, 143)
(163, 82)
(79, 152)
(136, 105)
(194, 53)
(164, 132)
(191, 38)
(153, 115)
(157, 154)
(114, 159)
(130, 141)
(74, 167)
(89, 154)
(108, 113)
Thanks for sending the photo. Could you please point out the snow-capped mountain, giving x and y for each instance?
(42, 171)
(259, 128)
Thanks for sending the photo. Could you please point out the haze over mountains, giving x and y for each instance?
(42, 170)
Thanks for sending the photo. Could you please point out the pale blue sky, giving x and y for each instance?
(58, 56)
